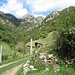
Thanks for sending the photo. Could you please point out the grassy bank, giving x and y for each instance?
(3, 69)
(49, 40)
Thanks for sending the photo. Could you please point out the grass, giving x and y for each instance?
(6, 50)
(20, 71)
(3, 69)
(64, 70)
(11, 60)
(49, 40)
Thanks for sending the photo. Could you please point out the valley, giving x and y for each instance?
(56, 35)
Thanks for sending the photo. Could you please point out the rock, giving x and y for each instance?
(56, 68)
(55, 13)
(31, 67)
(28, 61)
(31, 21)
(36, 51)
(34, 69)
(45, 61)
(50, 61)
(42, 56)
(52, 15)
(56, 60)
(71, 61)
(26, 69)
(47, 69)
(25, 65)
(50, 56)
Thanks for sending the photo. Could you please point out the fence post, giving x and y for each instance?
(31, 46)
(0, 54)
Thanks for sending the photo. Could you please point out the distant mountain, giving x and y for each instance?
(28, 26)
(9, 18)
(13, 28)
(52, 16)
(31, 19)
(29, 22)
(59, 20)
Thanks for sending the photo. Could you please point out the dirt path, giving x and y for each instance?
(12, 71)
(10, 63)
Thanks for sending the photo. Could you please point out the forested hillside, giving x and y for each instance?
(63, 22)
(54, 36)
(13, 30)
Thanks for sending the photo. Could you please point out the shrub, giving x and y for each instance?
(4, 57)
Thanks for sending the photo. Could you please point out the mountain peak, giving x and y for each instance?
(55, 13)
(1, 12)
(27, 16)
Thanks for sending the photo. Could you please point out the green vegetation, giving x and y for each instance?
(11, 65)
(56, 33)
(50, 39)
(65, 45)
(6, 49)
(20, 71)
(64, 70)
(9, 55)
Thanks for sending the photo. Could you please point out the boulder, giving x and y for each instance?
(36, 51)
(25, 65)
(34, 69)
(42, 57)
(42, 54)
(56, 68)
(28, 61)
(50, 56)
(26, 69)
(31, 67)
(47, 69)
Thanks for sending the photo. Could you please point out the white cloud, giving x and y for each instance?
(36, 15)
(15, 7)
(21, 12)
(35, 6)
(45, 5)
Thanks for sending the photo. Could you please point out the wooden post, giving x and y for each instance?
(31, 46)
(0, 54)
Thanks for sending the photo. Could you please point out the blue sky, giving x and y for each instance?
(35, 7)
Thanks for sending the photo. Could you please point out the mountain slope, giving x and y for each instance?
(61, 20)
(35, 27)
(9, 19)
(29, 22)
(60, 24)
(12, 29)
